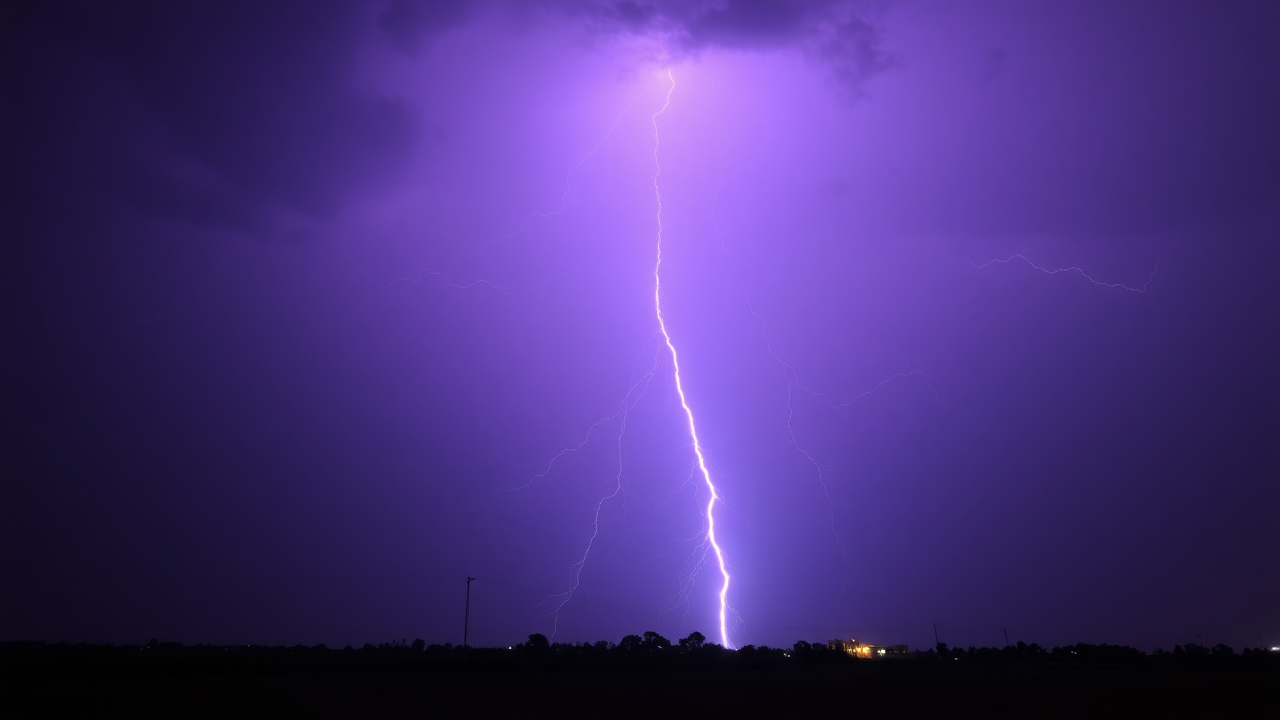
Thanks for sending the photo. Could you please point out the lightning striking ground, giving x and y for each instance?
(637, 390)
(714, 496)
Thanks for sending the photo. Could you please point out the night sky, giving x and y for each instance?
(313, 310)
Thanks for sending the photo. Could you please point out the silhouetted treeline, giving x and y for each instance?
(1104, 653)
(647, 650)
(629, 678)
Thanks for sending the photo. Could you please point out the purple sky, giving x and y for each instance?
(312, 310)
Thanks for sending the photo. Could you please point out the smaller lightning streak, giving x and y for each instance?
(623, 409)
(1073, 269)
(693, 562)
(675, 364)
(575, 570)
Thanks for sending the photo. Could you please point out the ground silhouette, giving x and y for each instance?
(634, 677)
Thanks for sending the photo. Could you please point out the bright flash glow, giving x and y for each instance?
(684, 403)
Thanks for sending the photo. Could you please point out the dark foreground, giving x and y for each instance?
(86, 684)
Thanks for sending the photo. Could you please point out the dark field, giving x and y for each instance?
(88, 684)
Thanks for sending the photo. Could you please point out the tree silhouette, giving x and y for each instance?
(693, 642)
(654, 642)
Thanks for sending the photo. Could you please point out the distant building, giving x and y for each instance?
(867, 650)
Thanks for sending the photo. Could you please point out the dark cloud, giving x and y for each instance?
(747, 24)
(224, 114)
(838, 34)
(850, 46)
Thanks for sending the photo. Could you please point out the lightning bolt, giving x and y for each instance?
(714, 496)
(796, 389)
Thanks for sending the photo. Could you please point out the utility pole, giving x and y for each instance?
(1006, 636)
(936, 643)
(466, 615)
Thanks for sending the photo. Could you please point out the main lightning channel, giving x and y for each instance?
(684, 402)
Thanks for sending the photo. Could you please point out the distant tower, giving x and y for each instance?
(466, 614)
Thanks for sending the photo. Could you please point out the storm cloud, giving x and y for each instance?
(315, 309)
